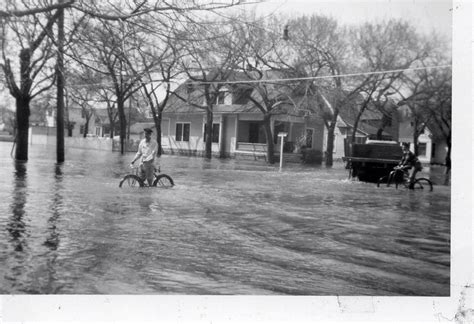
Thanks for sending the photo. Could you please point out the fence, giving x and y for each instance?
(47, 136)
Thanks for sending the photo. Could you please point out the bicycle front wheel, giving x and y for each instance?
(163, 180)
(423, 184)
(383, 180)
(131, 180)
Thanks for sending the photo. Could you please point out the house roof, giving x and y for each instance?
(373, 112)
(241, 103)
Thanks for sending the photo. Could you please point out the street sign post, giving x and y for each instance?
(281, 135)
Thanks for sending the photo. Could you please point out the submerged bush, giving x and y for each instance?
(312, 156)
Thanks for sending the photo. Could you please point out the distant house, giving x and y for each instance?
(237, 125)
(432, 147)
(373, 124)
(99, 124)
(397, 126)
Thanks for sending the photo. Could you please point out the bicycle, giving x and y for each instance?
(401, 177)
(135, 180)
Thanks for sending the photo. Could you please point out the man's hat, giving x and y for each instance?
(148, 130)
(406, 144)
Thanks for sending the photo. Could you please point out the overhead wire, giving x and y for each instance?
(292, 79)
(324, 76)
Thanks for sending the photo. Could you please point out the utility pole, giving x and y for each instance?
(60, 88)
(129, 116)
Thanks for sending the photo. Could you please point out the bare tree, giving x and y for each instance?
(83, 95)
(420, 88)
(440, 109)
(161, 55)
(107, 49)
(151, 88)
(322, 48)
(106, 95)
(34, 70)
(265, 60)
(209, 61)
(32, 13)
(387, 46)
(430, 98)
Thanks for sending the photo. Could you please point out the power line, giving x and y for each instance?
(288, 79)
(323, 76)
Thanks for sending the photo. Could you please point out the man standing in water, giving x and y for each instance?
(147, 150)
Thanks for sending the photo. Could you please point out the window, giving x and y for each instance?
(189, 88)
(215, 132)
(182, 132)
(422, 149)
(360, 140)
(254, 130)
(220, 100)
(81, 129)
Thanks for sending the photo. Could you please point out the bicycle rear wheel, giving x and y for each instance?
(131, 180)
(423, 184)
(163, 180)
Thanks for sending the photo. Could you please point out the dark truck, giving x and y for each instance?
(372, 160)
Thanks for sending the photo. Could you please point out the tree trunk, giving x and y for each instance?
(330, 142)
(208, 151)
(157, 119)
(112, 128)
(129, 123)
(448, 156)
(123, 124)
(22, 120)
(415, 138)
(356, 125)
(23, 106)
(379, 133)
(70, 127)
(60, 90)
(269, 137)
(86, 127)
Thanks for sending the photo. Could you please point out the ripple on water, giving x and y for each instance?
(225, 228)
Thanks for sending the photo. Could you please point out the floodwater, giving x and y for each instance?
(227, 227)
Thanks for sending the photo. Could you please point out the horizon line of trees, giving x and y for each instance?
(123, 50)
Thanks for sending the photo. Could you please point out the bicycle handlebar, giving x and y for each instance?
(133, 166)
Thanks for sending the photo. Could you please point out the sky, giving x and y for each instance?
(426, 15)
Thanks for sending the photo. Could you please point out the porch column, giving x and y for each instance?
(236, 133)
(221, 136)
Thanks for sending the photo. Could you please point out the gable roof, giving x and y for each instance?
(241, 93)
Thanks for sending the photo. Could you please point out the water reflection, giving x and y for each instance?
(16, 225)
(52, 241)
